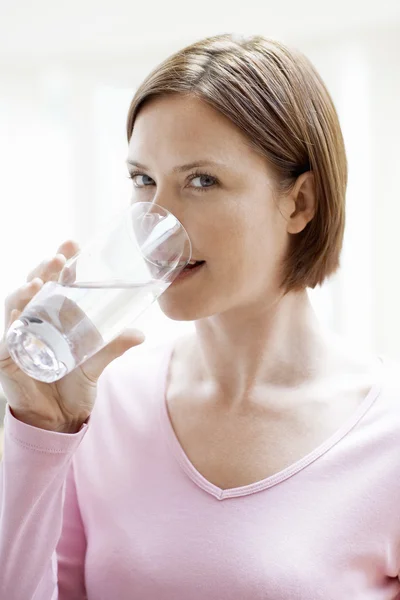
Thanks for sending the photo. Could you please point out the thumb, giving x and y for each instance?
(95, 365)
(4, 353)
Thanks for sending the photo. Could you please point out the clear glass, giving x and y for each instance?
(100, 291)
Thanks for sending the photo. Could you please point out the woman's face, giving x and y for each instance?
(190, 159)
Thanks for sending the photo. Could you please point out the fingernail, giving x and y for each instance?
(37, 281)
(139, 335)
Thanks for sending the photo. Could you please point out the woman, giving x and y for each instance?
(256, 458)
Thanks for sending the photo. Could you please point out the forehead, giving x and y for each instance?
(184, 127)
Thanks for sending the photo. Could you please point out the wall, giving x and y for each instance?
(62, 149)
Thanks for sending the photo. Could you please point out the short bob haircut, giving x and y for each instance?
(275, 96)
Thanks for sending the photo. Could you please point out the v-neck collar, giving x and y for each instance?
(272, 480)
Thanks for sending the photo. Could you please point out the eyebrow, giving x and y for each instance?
(181, 168)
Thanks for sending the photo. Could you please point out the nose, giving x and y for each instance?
(165, 201)
(170, 203)
(164, 237)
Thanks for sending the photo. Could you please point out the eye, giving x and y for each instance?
(141, 180)
(202, 181)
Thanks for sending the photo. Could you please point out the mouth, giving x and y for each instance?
(190, 270)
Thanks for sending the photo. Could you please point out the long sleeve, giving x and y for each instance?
(121, 511)
(42, 541)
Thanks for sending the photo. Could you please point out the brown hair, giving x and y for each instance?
(279, 101)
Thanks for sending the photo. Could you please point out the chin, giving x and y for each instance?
(197, 297)
(179, 311)
(175, 307)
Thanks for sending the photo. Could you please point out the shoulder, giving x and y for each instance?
(387, 404)
(139, 362)
(390, 377)
(135, 381)
(125, 419)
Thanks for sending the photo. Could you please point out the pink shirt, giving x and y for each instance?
(121, 513)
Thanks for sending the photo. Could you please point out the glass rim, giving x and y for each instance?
(121, 219)
(168, 212)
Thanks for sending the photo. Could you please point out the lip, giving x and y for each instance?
(188, 274)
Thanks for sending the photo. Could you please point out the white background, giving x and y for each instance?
(67, 74)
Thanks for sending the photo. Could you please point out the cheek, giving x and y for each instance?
(251, 257)
(237, 233)
(245, 238)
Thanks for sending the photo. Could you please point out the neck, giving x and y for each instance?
(282, 345)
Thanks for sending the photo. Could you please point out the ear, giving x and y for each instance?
(302, 199)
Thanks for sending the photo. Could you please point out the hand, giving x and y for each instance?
(65, 404)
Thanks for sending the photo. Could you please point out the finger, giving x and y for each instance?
(68, 274)
(15, 313)
(68, 248)
(49, 269)
(4, 353)
(20, 298)
(95, 365)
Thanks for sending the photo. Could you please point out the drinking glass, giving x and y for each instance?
(100, 291)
